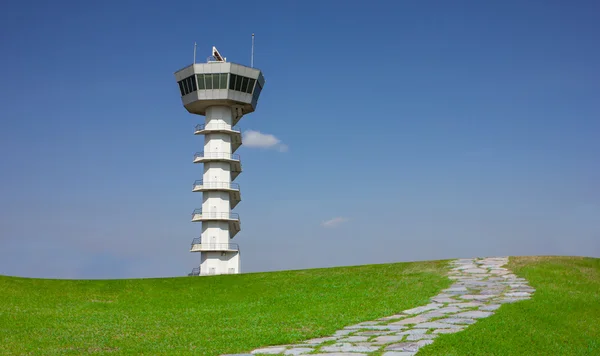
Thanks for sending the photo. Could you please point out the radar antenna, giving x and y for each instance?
(217, 56)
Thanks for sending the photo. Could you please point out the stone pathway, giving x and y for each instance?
(480, 287)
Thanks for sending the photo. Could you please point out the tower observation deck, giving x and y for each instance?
(222, 92)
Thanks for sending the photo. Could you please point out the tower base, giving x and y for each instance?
(219, 262)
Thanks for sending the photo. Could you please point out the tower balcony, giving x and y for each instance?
(233, 131)
(231, 158)
(198, 246)
(232, 188)
(232, 218)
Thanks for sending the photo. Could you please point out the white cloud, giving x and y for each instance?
(258, 139)
(335, 222)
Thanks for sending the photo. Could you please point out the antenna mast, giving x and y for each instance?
(252, 56)
(195, 45)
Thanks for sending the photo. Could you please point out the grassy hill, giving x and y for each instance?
(237, 313)
(207, 315)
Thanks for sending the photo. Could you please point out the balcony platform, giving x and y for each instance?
(232, 218)
(233, 131)
(198, 246)
(231, 158)
(232, 188)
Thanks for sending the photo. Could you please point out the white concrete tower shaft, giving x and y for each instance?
(224, 257)
(223, 93)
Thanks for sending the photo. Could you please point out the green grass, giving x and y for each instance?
(562, 318)
(204, 316)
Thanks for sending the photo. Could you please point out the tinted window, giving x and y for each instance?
(244, 84)
(181, 89)
(223, 81)
(257, 90)
(200, 78)
(250, 85)
(208, 81)
(232, 81)
(238, 83)
(193, 81)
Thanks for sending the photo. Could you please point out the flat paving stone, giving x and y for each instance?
(387, 339)
(475, 314)
(490, 307)
(466, 304)
(413, 320)
(423, 309)
(376, 327)
(348, 348)
(459, 321)
(403, 346)
(475, 270)
(446, 331)
(413, 332)
(373, 333)
(441, 312)
(517, 294)
(339, 354)
(343, 332)
(399, 353)
(455, 289)
(269, 350)
(298, 351)
(354, 339)
(420, 337)
(511, 300)
(435, 325)
(477, 297)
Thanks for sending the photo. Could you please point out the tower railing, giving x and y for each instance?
(214, 246)
(213, 126)
(214, 215)
(195, 272)
(216, 185)
(216, 155)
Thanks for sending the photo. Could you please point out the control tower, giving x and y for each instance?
(222, 92)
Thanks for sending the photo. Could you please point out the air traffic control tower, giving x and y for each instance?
(222, 92)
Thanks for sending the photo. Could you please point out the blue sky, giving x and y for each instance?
(427, 129)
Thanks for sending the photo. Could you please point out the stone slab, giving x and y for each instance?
(298, 351)
(269, 350)
(423, 309)
(340, 354)
(387, 339)
(435, 325)
(475, 314)
(446, 331)
(354, 339)
(460, 321)
(348, 348)
(420, 337)
(413, 320)
(403, 346)
(490, 307)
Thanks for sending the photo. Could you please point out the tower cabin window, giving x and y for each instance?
(187, 85)
(216, 81)
(240, 83)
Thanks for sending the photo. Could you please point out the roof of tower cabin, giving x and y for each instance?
(219, 83)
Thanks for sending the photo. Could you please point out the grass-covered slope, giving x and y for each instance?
(207, 315)
(562, 318)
